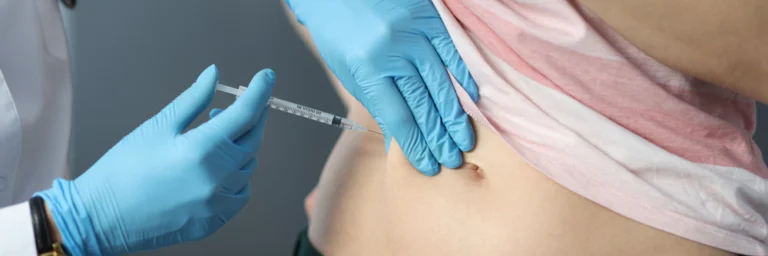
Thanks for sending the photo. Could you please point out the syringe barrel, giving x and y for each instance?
(299, 110)
(349, 125)
(302, 111)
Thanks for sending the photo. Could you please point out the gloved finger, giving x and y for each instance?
(428, 119)
(352, 87)
(444, 96)
(228, 205)
(242, 115)
(442, 43)
(389, 105)
(387, 136)
(236, 182)
(214, 112)
(251, 140)
(187, 106)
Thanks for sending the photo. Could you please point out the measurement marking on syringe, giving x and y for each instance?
(302, 111)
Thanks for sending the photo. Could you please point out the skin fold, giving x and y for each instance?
(369, 202)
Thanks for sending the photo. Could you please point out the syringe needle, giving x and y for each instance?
(376, 132)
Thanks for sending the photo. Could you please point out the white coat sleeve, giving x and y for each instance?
(16, 234)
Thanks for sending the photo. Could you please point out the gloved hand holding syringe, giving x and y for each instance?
(302, 111)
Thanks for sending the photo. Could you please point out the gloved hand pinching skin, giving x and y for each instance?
(160, 186)
(391, 55)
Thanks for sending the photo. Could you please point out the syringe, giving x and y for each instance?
(302, 111)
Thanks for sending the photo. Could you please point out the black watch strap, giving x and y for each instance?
(43, 236)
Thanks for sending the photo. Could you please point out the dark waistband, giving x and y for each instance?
(303, 247)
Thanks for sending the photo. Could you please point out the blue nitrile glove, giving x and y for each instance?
(391, 55)
(160, 186)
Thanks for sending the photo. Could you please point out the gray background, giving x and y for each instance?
(133, 57)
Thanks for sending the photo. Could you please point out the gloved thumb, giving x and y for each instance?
(387, 138)
(187, 106)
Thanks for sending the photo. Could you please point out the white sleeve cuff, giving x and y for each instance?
(16, 234)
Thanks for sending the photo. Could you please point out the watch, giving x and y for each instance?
(40, 225)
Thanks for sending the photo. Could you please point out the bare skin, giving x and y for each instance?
(722, 42)
(368, 202)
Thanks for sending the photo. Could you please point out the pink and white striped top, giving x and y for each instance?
(601, 118)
